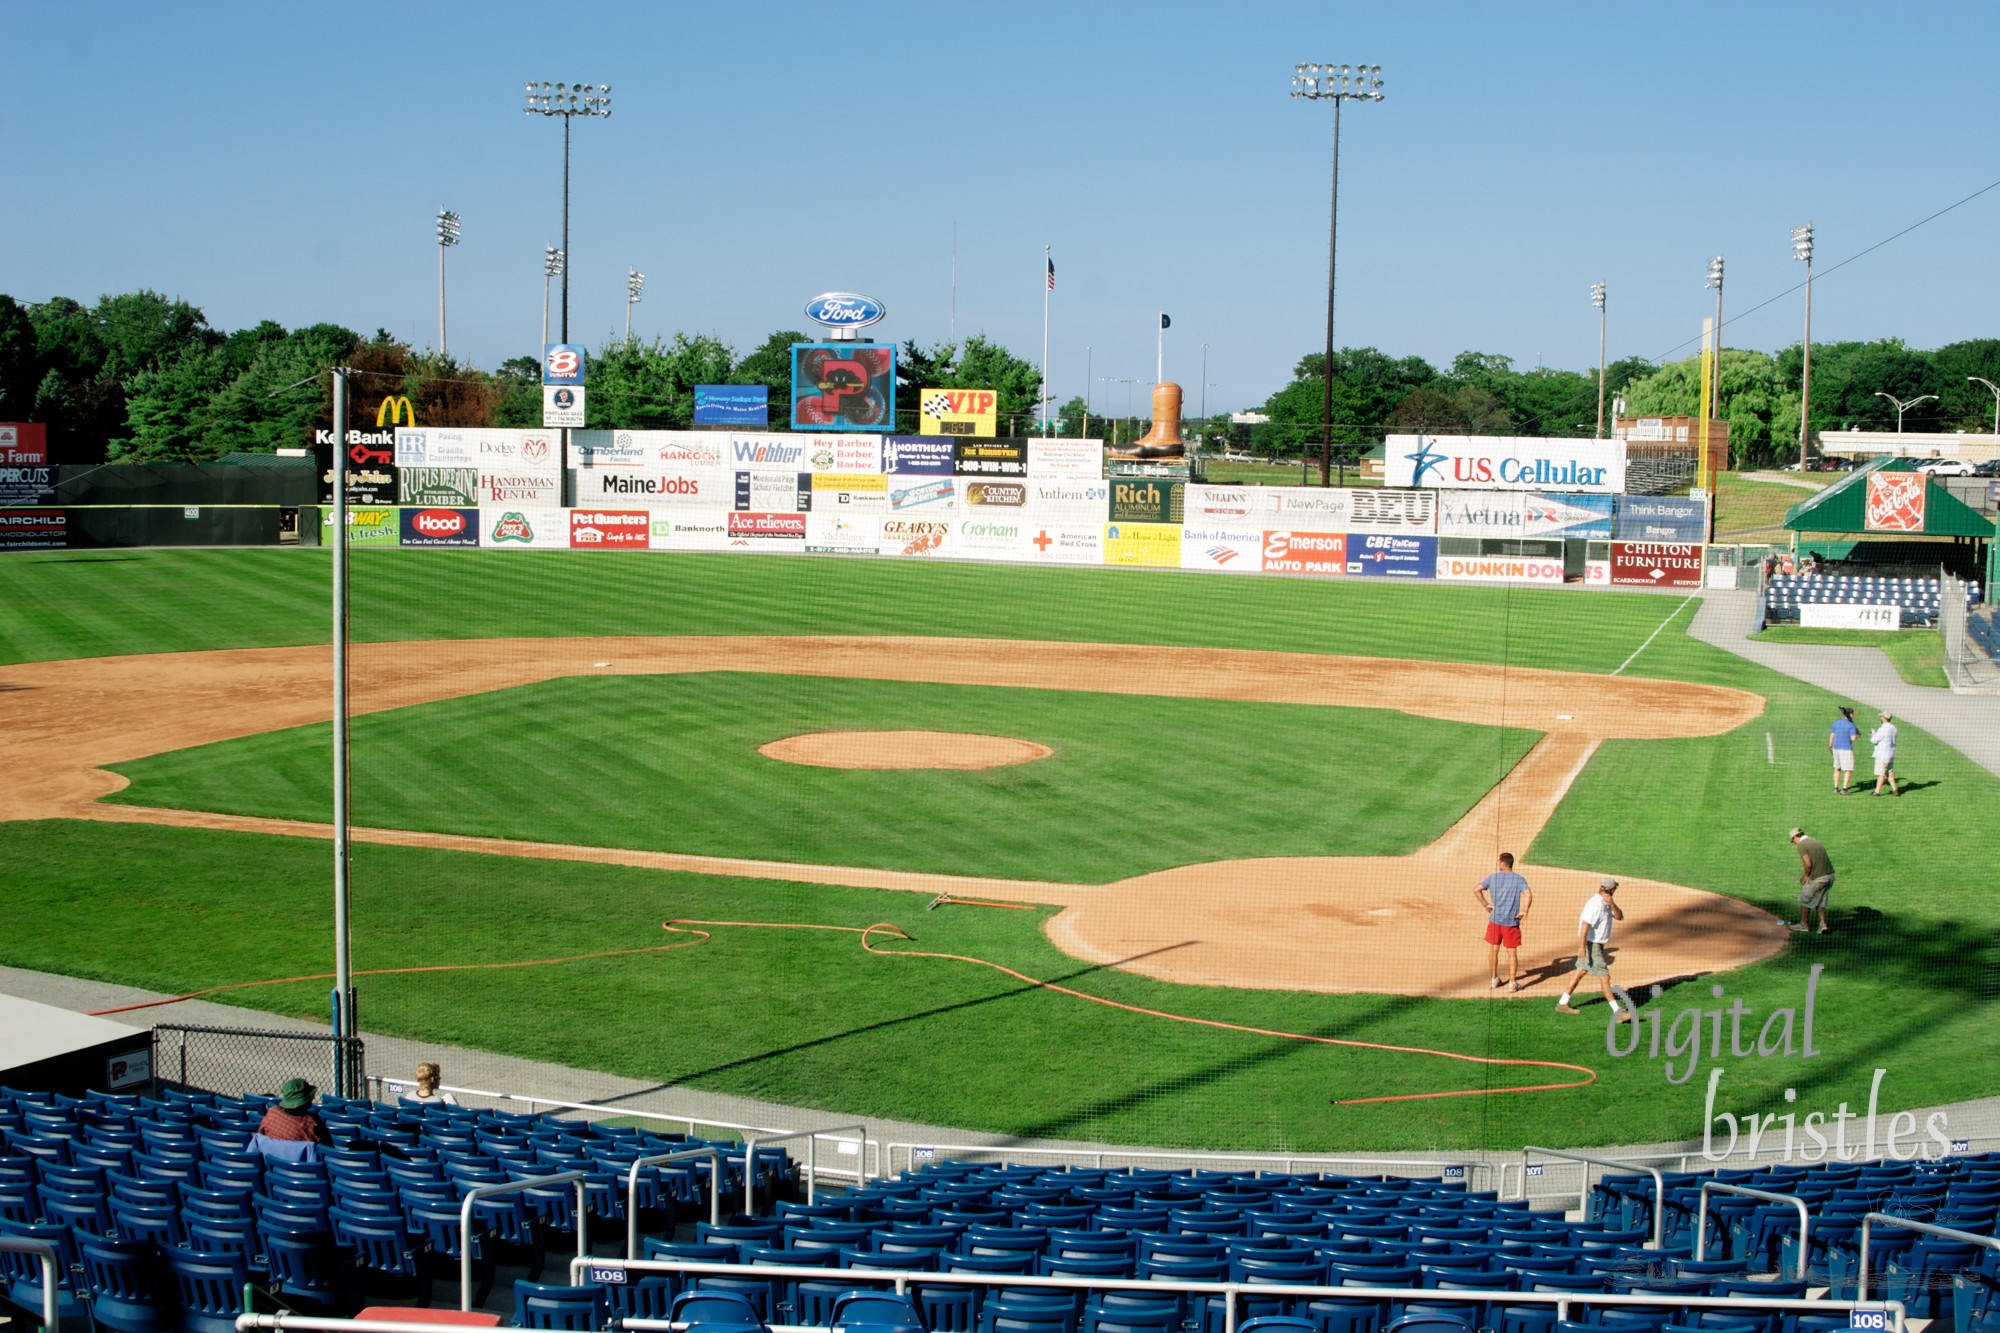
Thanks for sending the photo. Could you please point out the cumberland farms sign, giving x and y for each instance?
(1505, 462)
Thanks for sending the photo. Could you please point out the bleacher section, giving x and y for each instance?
(1917, 599)
(157, 1206)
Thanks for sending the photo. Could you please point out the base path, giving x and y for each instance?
(1404, 925)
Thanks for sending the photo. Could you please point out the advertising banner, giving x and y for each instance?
(995, 494)
(1379, 510)
(1302, 509)
(440, 527)
(690, 530)
(857, 492)
(365, 527)
(1235, 507)
(661, 487)
(1305, 553)
(914, 456)
(767, 529)
(562, 384)
(924, 499)
(610, 529)
(24, 444)
(1895, 502)
(1522, 514)
(1662, 518)
(1505, 462)
(1829, 615)
(371, 466)
(683, 448)
(517, 487)
(839, 533)
(1069, 501)
(609, 448)
(990, 536)
(1499, 569)
(524, 529)
(1230, 550)
(27, 484)
(1155, 545)
(1145, 500)
(732, 405)
(562, 406)
(1386, 556)
(929, 538)
(844, 453)
(768, 453)
(431, 446)
(33, 529)
(844, 386)
(1065, 458)
(758, 492)
(428, 447)
(452, 487)
(1052, 543)
(958, 412)
(1001, 458)
(1656, 564)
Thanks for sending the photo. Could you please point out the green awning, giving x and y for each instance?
(1902, 508)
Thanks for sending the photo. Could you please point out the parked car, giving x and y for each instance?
(1990, 468)
(1947, 467)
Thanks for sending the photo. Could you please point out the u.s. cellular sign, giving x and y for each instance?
(1505, 463)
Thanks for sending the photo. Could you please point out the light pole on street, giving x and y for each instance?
(635, 284)
(447, 226)
(1975, 379)
(568, 100)
(1336, 84)
(1902, 406)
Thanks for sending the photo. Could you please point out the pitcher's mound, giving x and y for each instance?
(903, 749)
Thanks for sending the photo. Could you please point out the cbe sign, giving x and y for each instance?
(562, 385)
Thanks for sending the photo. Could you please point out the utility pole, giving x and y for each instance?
(1597, 299)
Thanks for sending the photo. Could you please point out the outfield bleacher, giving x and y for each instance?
(161, 1213)
(1917, 599)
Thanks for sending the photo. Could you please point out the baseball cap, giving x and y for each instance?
(1607, 883)
(1847, 713)
(1796, 833)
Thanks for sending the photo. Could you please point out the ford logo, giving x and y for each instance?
(844, 310)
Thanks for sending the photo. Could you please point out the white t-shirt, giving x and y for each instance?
(1596, 917)
(1884, 740)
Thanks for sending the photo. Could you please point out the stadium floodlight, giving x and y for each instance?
(568, 100)
(1975, 379)
(1315, 82)
(635, 284)
(447, 233)
(1802, 250)
(1714, 284)
(554, 263)
(1903, 406)
(1597, 299)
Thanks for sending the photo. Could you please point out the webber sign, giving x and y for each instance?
(1505, 462)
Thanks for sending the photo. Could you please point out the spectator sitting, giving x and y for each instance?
(429, 1075)
(292, 1130)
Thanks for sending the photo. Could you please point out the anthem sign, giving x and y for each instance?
(1505, 463)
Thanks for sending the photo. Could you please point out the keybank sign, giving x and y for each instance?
(1505, 463)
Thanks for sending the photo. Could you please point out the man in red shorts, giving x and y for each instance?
(1506, 898)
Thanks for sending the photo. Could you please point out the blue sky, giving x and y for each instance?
(264, 161)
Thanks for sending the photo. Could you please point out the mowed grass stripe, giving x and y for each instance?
(671, 763)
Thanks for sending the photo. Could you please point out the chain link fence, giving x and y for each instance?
(235, 1061)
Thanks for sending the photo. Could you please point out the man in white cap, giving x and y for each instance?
(1593, 933)
(1883, 738)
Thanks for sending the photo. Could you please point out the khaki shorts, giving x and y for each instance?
(1595, 961)
(1812, 893)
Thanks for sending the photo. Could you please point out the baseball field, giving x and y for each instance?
(1232, 828)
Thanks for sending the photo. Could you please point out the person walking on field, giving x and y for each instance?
(1841, 742)
(1506, 898)
(1815, 880)
(1593, 933)
(1883, 738)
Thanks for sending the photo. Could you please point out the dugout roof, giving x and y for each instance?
(1888, 495)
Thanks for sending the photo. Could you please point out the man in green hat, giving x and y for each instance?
(293, 1119)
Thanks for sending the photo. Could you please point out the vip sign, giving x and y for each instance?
(958, 412)
(1304, 553)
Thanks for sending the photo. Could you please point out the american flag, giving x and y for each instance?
(1052, 274)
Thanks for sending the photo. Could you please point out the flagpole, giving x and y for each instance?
(1048, 271)
(1160, 350)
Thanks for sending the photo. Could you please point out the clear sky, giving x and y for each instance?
(287, 161)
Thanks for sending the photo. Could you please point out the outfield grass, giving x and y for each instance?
(1751, 510)
(804, 1018)
(670, 763)
(1917, 654)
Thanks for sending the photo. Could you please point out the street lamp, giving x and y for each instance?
(1974, 379)
(554, 262)
(1204, 393)
(447, 226)
(1715, 282)
(1597, 299)
(1337, 84)
(1802, 250)
(1902, 407)
(635, 283)
(568, 100)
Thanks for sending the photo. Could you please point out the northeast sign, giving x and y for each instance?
(562, 385)
(1505, 462)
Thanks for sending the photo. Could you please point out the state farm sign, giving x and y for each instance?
(1656, 564)
(1505, 462)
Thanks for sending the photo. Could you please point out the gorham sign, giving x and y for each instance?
(1505, 462)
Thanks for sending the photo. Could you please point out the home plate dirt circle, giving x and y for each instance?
(903, 749)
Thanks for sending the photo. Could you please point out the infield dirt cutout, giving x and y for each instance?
(903, 749)
(1402, 925)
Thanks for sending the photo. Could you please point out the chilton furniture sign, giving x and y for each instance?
(1505, 462)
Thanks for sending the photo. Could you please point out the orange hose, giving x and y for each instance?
(865, 932)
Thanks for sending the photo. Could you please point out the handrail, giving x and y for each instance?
(714, 1156)
(812, 1137)
(51, 1295)
(903, 1279)
(1928, 1228)
(1583, 1192)
(688, 1120)
(1701, 1216)
(478, 1192)
(1098, 1157)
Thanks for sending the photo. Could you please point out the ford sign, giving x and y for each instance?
(844, 310)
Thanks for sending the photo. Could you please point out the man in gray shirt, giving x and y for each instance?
(1506, 898)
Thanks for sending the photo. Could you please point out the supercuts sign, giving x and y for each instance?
(1505, 462)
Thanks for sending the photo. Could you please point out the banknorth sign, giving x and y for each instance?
(1505, 462)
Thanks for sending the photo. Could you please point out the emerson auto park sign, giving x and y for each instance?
(1505, 462)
